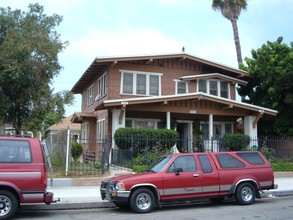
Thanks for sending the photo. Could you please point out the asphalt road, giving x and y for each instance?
(269, 208)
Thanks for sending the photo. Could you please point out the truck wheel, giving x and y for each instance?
(8, 204)
(245, 194)
(142, 200)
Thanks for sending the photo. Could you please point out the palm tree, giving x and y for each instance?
(231, 9)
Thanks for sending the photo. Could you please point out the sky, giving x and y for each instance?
(106, 28)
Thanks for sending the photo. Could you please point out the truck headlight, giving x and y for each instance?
(120, 186)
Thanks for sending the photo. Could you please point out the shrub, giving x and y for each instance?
(76, 150)
(235, 142)
(269, 153)
(142, 161)
(56, 159)
(282, 166)
(137, 138)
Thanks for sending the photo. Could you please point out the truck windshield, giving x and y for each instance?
(159, 164)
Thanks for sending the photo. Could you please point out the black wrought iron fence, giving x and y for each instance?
(98, 155)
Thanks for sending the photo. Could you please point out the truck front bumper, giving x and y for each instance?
(109, 193)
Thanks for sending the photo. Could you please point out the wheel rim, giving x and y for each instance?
(143, 201)
(5, 205)
(246, 194)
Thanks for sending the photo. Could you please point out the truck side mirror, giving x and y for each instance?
(178, 170)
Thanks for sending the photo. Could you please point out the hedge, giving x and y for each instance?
(236, 142)
(138, 138)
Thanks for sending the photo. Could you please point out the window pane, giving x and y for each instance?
(217, 130)
(128, 83)
(181, 87)
(128, 123)
(224, 89)
(228, 128)
(228, 161)
(187, 163)
(213, 87)
(15, 151)
(205, 131)
(205, 164)
(154, 85)
(141, 84)
(252, 158)
(202, 86)
(102, 86)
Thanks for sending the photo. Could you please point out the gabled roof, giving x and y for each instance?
(78, 116)
(196, 96)
(64, 124)
(100, 65)
(213, 76)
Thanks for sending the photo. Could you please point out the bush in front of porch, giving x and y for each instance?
(235, 142)
(146, 145)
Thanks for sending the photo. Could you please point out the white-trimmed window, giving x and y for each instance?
(219, 129)
(224, 89)
(141, 123)
(202, 86)
(90, 95)
(214, 87)
(181, 87)
(100, 130)
(84, 100)
(85, 133)
(140, 83)
(102, 86)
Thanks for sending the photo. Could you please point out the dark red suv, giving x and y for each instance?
(23, 176)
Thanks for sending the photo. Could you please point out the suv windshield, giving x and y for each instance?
(159, 164)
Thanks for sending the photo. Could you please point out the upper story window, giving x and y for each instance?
(90, 95)
(214, 87)
(181, 87)
(141, 83)
(102, 86)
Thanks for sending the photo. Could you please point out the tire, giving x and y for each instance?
(8, 204)
(245, 194)
(142, 200)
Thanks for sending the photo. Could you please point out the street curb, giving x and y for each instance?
(67, 206)
(279, 193)
(97, 205)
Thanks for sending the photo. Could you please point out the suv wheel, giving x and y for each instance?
(245, 194)
(142, 200)
(8, 204)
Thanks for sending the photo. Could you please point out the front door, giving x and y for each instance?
(184, 143)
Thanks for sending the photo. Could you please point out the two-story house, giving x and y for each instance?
(157, 90)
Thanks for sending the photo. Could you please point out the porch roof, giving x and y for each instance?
(77, 116)
(102, 64)
(192, 96)
(214, 76)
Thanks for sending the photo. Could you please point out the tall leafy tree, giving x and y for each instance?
(271, 85)
(231, 10)
(29, 48)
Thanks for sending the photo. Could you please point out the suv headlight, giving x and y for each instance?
(119, 186)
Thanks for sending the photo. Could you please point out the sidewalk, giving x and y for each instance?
(73, 197)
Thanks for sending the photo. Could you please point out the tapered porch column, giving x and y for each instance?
(211, 132)
(249, 128)
(168, 120)
(211, 125)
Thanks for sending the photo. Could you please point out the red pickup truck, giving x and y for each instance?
(22, 174)
(190, 176)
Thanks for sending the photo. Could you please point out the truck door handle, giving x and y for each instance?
(196, 175)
